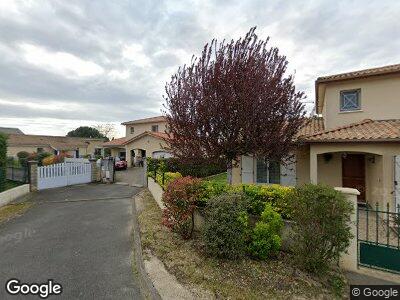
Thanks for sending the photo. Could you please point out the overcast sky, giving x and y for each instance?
(69, 63)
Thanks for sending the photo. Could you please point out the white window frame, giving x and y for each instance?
(343, 100)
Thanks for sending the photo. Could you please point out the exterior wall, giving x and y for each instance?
(148, 143)
(303, 165)
(93, 145)
(379, 167)
(140, 128)
(12, 150)
(236, 173)
(115, 151)
(379, 100)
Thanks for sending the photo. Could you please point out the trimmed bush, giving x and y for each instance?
(265, 238)
(180, 201)
(42, 156)
(3, 161)
(23, 157)
(226, 226)
(322, 231)
(168, 178)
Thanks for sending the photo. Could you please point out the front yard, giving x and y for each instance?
(245, 278)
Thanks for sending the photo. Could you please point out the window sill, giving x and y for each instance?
(350, 111)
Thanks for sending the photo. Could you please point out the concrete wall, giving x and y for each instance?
(12, 194)
(140, 128)
(13, 150)
(379, 100)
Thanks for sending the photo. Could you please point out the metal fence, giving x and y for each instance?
(19, 174)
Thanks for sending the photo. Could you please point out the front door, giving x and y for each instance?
(353, 173)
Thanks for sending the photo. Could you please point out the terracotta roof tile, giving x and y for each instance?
(366, 130)
(361, 73)
(311, 126)
(115, 142)
(146, 120)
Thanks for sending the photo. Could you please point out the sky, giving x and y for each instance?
(64, 64)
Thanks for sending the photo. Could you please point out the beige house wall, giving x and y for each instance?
(140, 128)
(379, 167)
(13, 150)
(92, 146)
(379, 100)
(148, 143)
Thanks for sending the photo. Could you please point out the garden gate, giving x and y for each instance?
(378, 238)
(72, 171)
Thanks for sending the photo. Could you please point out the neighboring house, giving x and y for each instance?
(74, 146)
(9, 130)
(143, 138)
(356, 142)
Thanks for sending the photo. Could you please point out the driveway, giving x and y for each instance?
(133, 176)
(79, 236)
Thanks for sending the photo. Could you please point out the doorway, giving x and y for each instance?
(353, 173)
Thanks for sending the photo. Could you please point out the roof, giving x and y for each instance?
(158, 135)
(9, 130)
(311, 126)
(115, 142)
(366, 130)
(55, 142)
(379, 71)
(146, 120)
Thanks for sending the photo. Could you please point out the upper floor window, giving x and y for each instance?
(132, 129)
(350, 100)
(154, 128)
(268, 171)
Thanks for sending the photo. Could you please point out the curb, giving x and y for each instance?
(150, 291)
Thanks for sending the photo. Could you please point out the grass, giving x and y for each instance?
(219, 178)
(237, 279)
(11, 211)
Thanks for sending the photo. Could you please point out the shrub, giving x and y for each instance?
(42, 156)
(265, 238)
(3, 161)
(226, 226)
(211, 189)
(322, 231)
(179, 199)
(168, 178)
(23, 157)
(54, 159)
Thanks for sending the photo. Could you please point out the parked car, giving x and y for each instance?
(120, 164)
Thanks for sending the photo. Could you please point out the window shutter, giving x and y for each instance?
(288, 173)
(247, 163)
(397, 179)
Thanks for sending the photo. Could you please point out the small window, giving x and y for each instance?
(154, 128)
(97, 151)
(39, 150)
(132, 130)
(268, 171)
(350, 100)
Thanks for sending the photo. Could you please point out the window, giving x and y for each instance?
(154, 128)
(97, 151)
(39, 150)
(132, 129)
(350, 100)
(268, 171)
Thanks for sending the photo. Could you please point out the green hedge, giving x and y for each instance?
(200, 169)
(3, 161)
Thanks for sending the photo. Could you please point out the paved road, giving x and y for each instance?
(82, 243)
(132, 176)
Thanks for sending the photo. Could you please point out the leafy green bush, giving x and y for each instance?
(212, 189)
(225, 229)
(265, 237)
(23, 157)
(3, 161)
(168, 178)
(322, 232)
(180, 201)
(42, 156)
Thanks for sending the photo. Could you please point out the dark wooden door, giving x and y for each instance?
(353, 173)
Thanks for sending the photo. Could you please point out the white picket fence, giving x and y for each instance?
(72, 171)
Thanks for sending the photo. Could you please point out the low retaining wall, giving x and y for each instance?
(156, 190)
(12, 194)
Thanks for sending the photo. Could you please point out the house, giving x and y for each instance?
(354, 141)
(9, 130)
(74, 146)
(143, 138)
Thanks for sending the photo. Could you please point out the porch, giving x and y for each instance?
(369, 168)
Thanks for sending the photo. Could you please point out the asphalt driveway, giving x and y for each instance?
(79, 236)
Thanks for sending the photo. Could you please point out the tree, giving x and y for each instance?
(107, 129)
(234, 100)
(87, 132)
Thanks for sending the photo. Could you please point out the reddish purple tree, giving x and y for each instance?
(234, 100)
